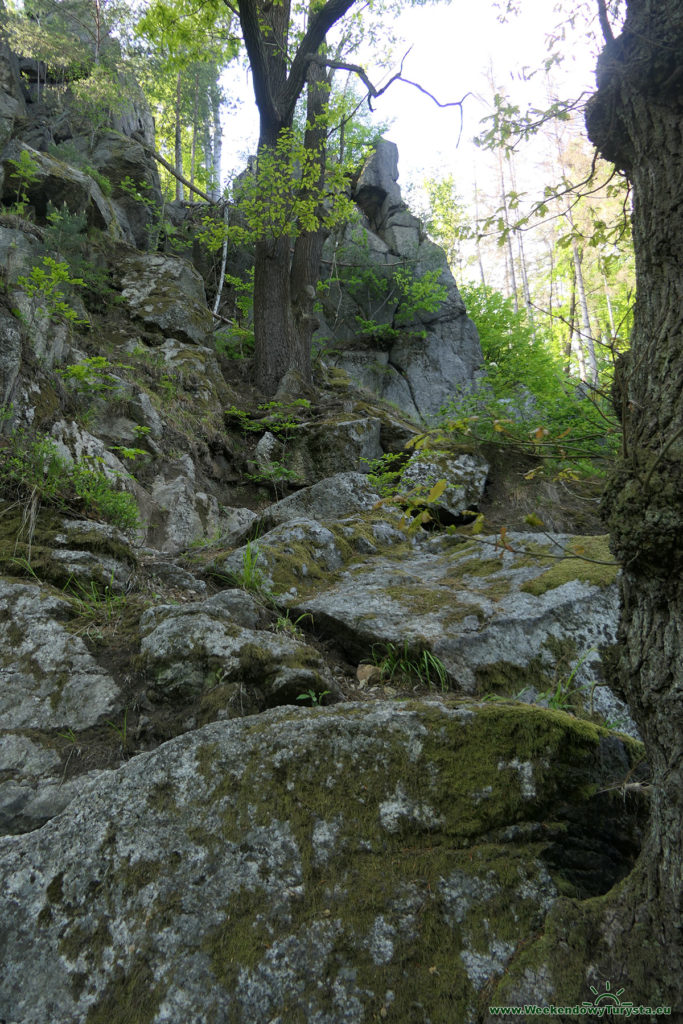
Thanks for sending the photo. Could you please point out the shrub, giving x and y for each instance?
(32, 469)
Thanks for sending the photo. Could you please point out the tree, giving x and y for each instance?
(279, 344)
(635, 121)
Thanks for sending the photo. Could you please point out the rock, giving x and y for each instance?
(10, 356)
(12, 105)
(335, 497)
(166, 293)
(417, 358)
(190, 514)
(323, 448)
(214, 649)
(60, 184)
(50, 680)
(119, 158)
(300, 553)
(465, 477)
(498, 619)
(290, 867)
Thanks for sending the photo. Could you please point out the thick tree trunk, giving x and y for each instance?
(635, 121)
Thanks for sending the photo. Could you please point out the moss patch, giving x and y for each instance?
(588, 559)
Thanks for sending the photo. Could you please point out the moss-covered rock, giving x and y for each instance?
(333, 865)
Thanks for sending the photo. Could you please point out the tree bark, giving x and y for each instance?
(178, 154)
(278, 345)
(635, 121)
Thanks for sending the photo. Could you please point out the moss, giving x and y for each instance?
(131, 997)
(241, 940)
(83, 941)
(575, 566)
(162, 798)
(444, 832)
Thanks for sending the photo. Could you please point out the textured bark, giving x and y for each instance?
(635, 121)
(281, 319)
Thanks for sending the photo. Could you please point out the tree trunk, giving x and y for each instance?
(308, 248)
(178, 155)
(635, 121)
(265, 29)
(217, 143)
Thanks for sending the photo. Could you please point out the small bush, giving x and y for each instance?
(32, 469)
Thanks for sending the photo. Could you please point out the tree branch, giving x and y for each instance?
(318, 27)
(373, 91)
(172, 170)
(604, 22)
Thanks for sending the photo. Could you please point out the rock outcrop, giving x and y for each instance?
(418, 358)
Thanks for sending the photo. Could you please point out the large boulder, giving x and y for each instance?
(167, 294)
(217, 653)
(50, 679)
(334, 865)
(514, 616)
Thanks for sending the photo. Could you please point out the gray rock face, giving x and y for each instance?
(495, 617)
(336, 497)
(61, 184)
(347, 444)
(464, 475)
(50, 680)
(292, 866)
(167, 293)
(10, 356)
(12, 103)
(418, 358)
(215, 648)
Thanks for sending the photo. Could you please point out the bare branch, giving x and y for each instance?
(375, 91)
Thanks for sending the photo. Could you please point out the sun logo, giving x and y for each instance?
(606, 998)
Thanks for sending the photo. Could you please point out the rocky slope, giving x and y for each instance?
(270, 750)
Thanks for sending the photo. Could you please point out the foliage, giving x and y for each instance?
(525, 398)
(390, 299)
(95, 602)
(237, 341)
(283, 197)
(290, 627)
(314, 697)
(250, 576)
(404, 664)
(47, 286)
(32, 468)
(93, 375)
(26, 173)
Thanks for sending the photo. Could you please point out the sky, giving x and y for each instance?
(453, 45)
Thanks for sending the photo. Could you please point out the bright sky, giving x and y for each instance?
(452, 47)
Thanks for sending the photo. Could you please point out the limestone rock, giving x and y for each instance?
(50, 680)
(214, 649)
(189, 514)
(166, 293)
(321, 449)
(60, 184)
(499, 618)
(417, 358)
(12, 103)
(465, 477)
(10, 355)
(292, 866)
(335, 497)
